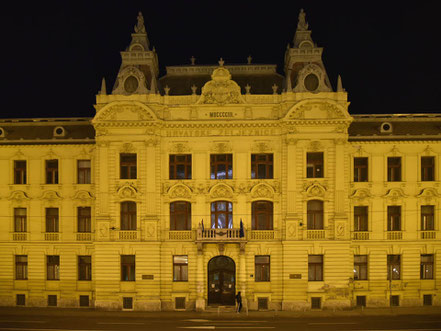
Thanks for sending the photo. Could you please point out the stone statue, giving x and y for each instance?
(139, 27)
(302, 25)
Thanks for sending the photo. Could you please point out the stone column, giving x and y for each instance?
(200, 301)
(242, 275)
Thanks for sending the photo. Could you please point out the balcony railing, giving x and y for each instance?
(394, 235)
(20, 236)
(315, 234)
(84, 236)
(180, 235)
(227, 235)
(51, 236)
(262, 235)
(428, 234)
(128, 235)
(362, 235)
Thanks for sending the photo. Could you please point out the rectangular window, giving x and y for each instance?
(394, 169)
(52, 222)
(360, 218)
(84, 301)
(85, 267)
(426, 266)
(314, 165)
(262, 268)
(315, 268)
(84, 174)
(393, 267)
(127, 303)
(128, 216)
(316, 303)
(53, 267)
(19, 172)
(427, 218)
(20, 223)
(361, 301)
(394, 300)
(180, 216)
(51, 171)
(314, 215)
(221, 166)
(261, 166)
(180, 268)
(127, 166)
(180, 166)
(20, 300)
(21, 267)
(427, 299)
(84, 219)
(52, 300)
(128, 267)
(427, 168)
(393, 218)
(360, 267)
(360, 169)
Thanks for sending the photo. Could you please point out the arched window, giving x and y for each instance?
(262, 214)
(128, 215)
(180, 215)
(315, 215)
(221, 215)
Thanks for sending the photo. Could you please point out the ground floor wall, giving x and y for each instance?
(155, 285)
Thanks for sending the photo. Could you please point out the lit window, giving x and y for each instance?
(221, 215)
(393, 267)
(127, 267)
(360, 267)
(180, 268)
(221, 166)
(427, 266)
(314, 165)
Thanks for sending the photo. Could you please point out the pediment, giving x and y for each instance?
(262, 191)
(429, 193)
(18, 196)
(221, 191)
(395, 193)
(361, 193)
(127, 191)
(83, 195)
(179, 191)
(125, 111)
(315, 190)
(51, 195)
(315, 109)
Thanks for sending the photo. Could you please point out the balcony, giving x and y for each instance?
(362, 235)
(262, 235)
(20, 236)
(221, 235)
(428, 234)
(127, 235)
(315, 234)
(51, 236)
(181, 235)
(84, 236)
(394, 235)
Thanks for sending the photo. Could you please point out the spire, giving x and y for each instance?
(153, 85)
(302, 32)
(139, 37)
(103, 87)
(339, 85)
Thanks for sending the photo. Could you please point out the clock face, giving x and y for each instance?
(131, 84)
(311, 82)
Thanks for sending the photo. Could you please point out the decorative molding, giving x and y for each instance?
(395, 194)
(180, 191)
(180, 147)
(51, 195)
(83, 195)
(19, 196)
(262, 191)
(220, 89)
(221, 191)
(221, 147)
(315, 146)
(315, 190)
(262, 146)
(127, 148)
(428, 194)
(361, 194)
(127, 191)
(126, 73)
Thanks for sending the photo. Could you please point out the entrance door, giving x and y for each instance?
(221, 281)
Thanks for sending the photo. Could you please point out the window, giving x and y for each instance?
(361, 301)
(315, 267)
(314, 165)
(394, 169)
(180, 302)
(426, 266)
(51, 171)
(262, 303)
(84, 301)
(84, 219)
(315, 215)
(394, 300)
(360, 169)
(20, 300)
(53, 267)
(262, 268)
(180, 268)
(20, 220)
(84, 267)
(316, 303)
(262, 215)
(127, 303)
(21, 267)
(360, 218)
(360, 267)
(128, 215)
(127, 267)
(427, 218)
(393, 267)
(427, 299)
(52, 220)
(83, 171)
(221, 215)
(19, 172)
(180, 215)
(427, 168)
(393, 218)
(127, 166)
(261, 166)
(180, 166)
(221, 166)
(52, 300)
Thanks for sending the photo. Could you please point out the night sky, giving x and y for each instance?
(56, 54)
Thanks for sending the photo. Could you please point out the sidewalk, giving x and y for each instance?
(393, 311)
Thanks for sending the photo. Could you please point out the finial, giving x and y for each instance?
(302, 25)
(221, 62)
(249, 58)
(339, 85)
(153, 85)
(247, 88)
(139, 27)
(193, 89)
(193, 60)
(103, 87)
(166, 89)
(154, 49)
(275, 88)
(288, 82)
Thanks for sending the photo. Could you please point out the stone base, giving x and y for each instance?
(200, 304)
(296, 305)
(340, 304)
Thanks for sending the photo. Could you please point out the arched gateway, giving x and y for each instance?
(221, 281)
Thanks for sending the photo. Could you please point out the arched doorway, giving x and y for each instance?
(221, 281)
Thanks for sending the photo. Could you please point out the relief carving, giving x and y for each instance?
(51, 195)
(221, 89)
(221, 191)
(180, 191)
(19, 196)
(314, 190)
(83, 195)
(127, 191)
(262, 191)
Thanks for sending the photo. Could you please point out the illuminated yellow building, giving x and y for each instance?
(183, 190)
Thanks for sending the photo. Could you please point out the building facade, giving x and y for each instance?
(185, 189)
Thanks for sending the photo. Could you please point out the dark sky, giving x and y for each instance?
(55, 54)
